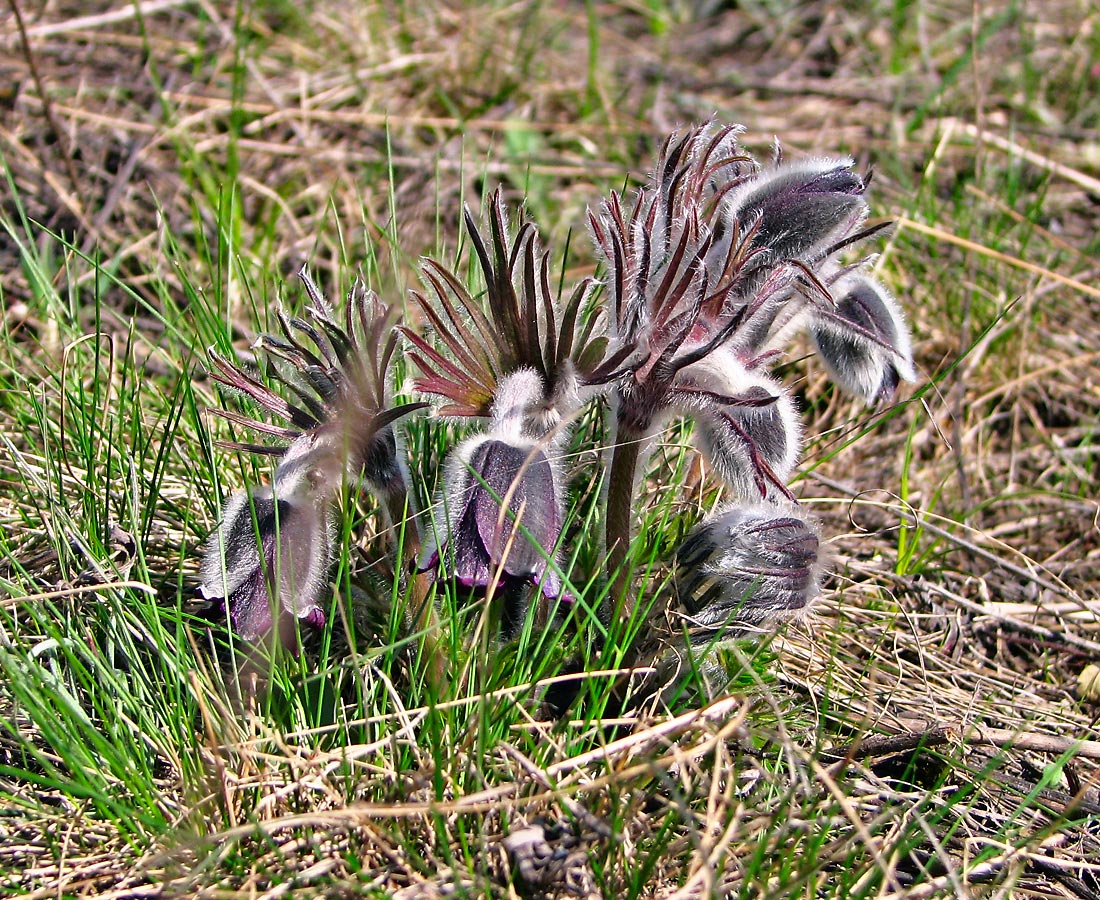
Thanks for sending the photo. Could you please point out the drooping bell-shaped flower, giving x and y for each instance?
(269, 547)
(503, 500)
(675, 264)
(749, 566)
(527, 361)
(715, 257)
(864, 340)
(267, 563)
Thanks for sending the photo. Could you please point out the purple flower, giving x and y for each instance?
(503, 500)
(708, 223)
(526, 360)
(267, 564)
(864, 340)
(268, 548)
(749, 566)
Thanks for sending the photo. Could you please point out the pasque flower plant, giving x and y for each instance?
(718, 262)
(527, 363)
(706, 273)
(267, 564)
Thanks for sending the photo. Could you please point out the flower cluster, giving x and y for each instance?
(718, 264)
(707, 272)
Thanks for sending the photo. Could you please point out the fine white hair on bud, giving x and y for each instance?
(864, 340)
(746, 423)
(798, 210)
(749, 566)
(517, 398)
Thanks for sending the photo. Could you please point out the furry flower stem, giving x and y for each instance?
(625, 458)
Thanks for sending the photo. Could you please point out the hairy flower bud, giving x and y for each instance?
(864, 340)
(748, 566)
(746, 423)
(799, 210)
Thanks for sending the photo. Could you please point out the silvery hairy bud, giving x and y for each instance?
(864, 340)
(746, 423)
(799, 210)
(748, 567)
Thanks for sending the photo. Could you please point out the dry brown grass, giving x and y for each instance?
(937, 682)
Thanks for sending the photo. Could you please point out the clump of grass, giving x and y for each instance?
(164, 177)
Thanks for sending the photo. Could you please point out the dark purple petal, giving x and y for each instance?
(469, 554)
(263, 547)
(238, 579)
(524, 479)
(518, 541)
(249, 608)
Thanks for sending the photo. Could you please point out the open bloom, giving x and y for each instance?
(268, 561)
(748, 566)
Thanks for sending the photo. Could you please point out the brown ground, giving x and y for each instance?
(989, 160)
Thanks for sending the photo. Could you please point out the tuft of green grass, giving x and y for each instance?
(917, 735)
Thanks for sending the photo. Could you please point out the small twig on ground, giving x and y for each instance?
(886, 744)
(124, 13)
(1042, 743)
(1061, 637)
(935, 735)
